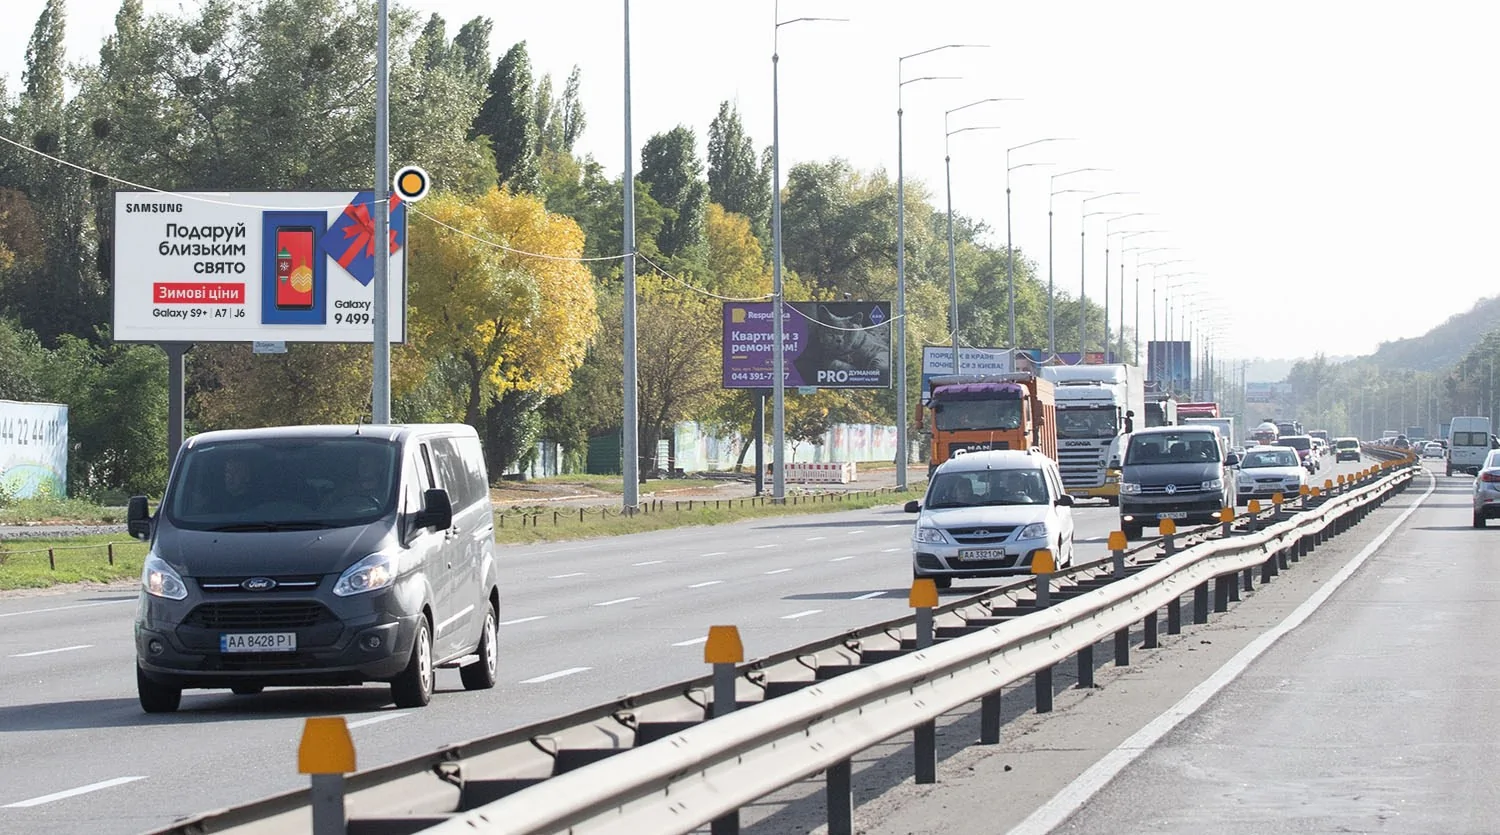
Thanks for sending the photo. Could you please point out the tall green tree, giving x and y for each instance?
(672, 171)
(471, 48)
(430, 51)
(508, 119)
(736, 179)
(570, 110)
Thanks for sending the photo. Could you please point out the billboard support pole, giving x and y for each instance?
(760, 441)
(176, 395)
(380, 395)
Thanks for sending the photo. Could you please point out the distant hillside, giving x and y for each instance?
(1443, 346)
(1274, 371)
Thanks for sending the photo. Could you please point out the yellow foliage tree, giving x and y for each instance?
(516, 321)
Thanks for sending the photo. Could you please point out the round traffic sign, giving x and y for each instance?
(411, 183)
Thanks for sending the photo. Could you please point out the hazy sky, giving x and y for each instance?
(1329, 167)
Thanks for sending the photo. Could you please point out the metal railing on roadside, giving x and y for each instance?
(695, 752)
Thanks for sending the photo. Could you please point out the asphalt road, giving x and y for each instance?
(1376, 714)
(581, 623)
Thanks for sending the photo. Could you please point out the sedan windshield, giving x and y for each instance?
(1269, 458)
(987, 487)
(1173, 448)
(270, 484)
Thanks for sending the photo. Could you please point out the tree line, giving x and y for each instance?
(270, 95)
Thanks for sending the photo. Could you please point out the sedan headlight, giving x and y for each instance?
(373, 572)
(159, 580)
(1036, 530)
(930, 535)
(1213, 484)
(1129, 488)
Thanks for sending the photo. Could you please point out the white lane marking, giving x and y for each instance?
(50, 651)
(891, 550)
(64, 795)
(694, 642)
(705, 583)
(869, 595)
(566, 576)
(715, 553)
(841, 559)
(559, 674)
(772, 545)
(796, 615)
(375, 720)
(521, 620)
(647, 562)
(852, 533)
(779, 571)
(450, 621)
(64, 608)
(617, 600)
(1062, 806)
(815, 538)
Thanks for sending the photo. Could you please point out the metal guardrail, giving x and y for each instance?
(651, 762)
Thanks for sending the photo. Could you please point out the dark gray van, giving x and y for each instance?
(317, 556)
(1181, 473)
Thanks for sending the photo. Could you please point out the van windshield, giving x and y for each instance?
(272, 484)
(1173, 448)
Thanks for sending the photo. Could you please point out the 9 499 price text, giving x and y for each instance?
(351, 318)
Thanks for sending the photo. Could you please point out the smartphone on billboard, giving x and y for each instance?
(294, 267)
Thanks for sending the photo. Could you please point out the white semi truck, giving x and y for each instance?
(1095, 405)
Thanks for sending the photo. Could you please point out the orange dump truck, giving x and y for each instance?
(969, 412)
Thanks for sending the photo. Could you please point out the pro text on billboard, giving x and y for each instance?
(826, 344)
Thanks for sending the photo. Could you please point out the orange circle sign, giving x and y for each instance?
(411, 183)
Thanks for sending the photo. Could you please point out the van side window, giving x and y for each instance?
(473, 460)
(453, 474)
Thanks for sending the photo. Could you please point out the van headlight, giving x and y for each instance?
(1212, 484)
(373, 572)
(1036, 530)
(159, 580)
(930, 535)
(1130, 488)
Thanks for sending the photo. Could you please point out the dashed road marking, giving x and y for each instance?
(375, 720)
(617, 600)
(647, 562)
(796, 615)
(694, 642)
(559, 674)
(566, 576)
(779, 571)
(705, 583)
(869, 595)
(64, 795)
(521, 620)
(841, 559)
(50, 651)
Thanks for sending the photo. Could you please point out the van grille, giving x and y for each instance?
(257, 615)
(297, 583)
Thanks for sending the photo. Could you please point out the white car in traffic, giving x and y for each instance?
(1268, 470)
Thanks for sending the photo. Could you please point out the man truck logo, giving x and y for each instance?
(1171, 488)
(258, 584)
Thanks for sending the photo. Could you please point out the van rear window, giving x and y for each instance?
(1471, 439)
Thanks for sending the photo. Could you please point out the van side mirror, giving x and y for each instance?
(138, 518)
(1231, 460)
(436, 512)
(1114, 462)
(913, 506)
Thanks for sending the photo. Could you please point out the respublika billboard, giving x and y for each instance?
(1170, 365)
(826, 344)
(33, 449)
(253, 266)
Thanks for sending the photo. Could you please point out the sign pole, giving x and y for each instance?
(176, 395)
(630, 429)
(380, 395)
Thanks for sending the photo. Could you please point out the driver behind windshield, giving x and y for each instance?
(365, 485)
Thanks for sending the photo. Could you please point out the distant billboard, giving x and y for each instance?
(1041, 356)
(33, 449)
(1267, 392)
(826, 344)
(1170, 365)
(938, 360)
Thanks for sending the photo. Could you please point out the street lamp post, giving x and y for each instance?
(1053, 191)
(778, 346)
(1107, 221)
(948, 181)
(1083, 266)
(901, 417)
(1136, 307)
(1010, 253)
(1155, 311)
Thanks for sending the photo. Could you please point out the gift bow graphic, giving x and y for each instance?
(351, 239)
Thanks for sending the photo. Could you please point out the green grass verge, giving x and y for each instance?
(564, 524)
(613, 483)
(81, 511)
(24, 563)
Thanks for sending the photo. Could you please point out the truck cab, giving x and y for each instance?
(1095, 405)
(973, 412)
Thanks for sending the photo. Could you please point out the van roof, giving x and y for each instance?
(389, 432)
(1168, 430)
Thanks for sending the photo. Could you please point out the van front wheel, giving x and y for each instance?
(156, 697)
(414, 686)
(481, 674)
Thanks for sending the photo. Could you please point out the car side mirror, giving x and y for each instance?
(1065, 500)
(1231, 460)
(138, 518)
(1114, 463)
(913, 506)
(436, 512)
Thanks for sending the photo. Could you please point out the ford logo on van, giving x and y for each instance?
(258, 584)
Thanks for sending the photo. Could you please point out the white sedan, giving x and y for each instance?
(1268, 470)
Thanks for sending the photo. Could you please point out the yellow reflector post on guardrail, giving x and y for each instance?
(1254, 506)
(1042, 562)
(1117, 541)
(924, 594)
(724, 646)
(326, 746)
